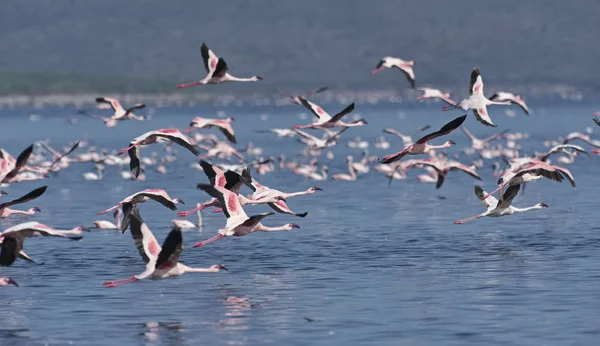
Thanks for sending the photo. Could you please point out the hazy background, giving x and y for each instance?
(150, 46)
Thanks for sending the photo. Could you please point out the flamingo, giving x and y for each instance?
(480, 144)
(511, 98)
(497, 208)
(120, 112)
(296, 99)
(562, 148)
(5, 281)
(151, 137)
(95, 175)
(431, 93)
(12, 175)
(238, 223)
(476, 101)
(216, 69)
(442, 167)
(352, 174)
(5, 211)
(531, 171)
(421, 146)
(405, 66)
(223, 125)
(262, 191)
(14, 237)
(158, 195)
(161, 263)
(188, 224)
(406, 140)
(325, 120)
(103, 224)
(319, 143)
(279, 132)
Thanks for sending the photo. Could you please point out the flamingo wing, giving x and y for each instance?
(144, 240)
(476, 83)
(255, 219)
(341, 114)
(315, 109)
(408, 73)
(315, 91)
(210, 59)
(179, 139)
(171, 250)
(395, 156)
(227, 130)
(483, 117)
(114, 103)
(11, 246)
(446, 129)
(489, 202)
(20, 163)
(220, 69)
(134, 160)
(507, 197)
(26, 198)
(215, 175)
(167, 202)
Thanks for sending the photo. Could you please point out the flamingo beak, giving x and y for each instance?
(259, 77)
(13, 282)
(544, 205)
(452, 142)
(295, 226)
(316, 188)
(3, 193)
(232, 118)
(85, 229)
(37, 209)
(279, 198)
(181, 201)
(221, 266)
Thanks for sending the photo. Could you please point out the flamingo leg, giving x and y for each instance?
(208, 241)
(448, 108)
(491, 193)
(111, 284)
(185, 85)
(109, 209)
(458, 222)
(218, 210)
(191, 211)
(126, 149)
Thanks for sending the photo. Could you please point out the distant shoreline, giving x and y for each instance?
(257, 99)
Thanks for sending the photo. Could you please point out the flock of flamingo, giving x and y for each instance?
(226, 180)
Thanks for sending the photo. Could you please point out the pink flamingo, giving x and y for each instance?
(120, 112)
(421, 146)
(296, 99)
(262, 191)
(431, 93)
(476, 101)
(103, 224)
(151, 137)
(503, 96)
(216, 69)
(5, 281)
(327, 121)
(14, 237)
(5, 211)
(405, 66)
(238, 223)
(497, 208)
(223, 125)
(161, 263)
(157, 195)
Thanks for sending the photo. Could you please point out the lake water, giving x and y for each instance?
(370, 265)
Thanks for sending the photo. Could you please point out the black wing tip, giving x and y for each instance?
(302, 214)
(100, 99)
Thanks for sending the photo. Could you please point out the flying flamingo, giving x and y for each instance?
(262, 191)
(5, 281)
(562, 148)
(103, 224)
(442, 167)
(120, 112)
(12, 175)
(480, 144)
(431, 93)
(497, 208)
(22, 255)
(405, 66)
(223, 125)
(476, 101)
(531, 171)
(421, 146)
(161, 263)
(158, 195)
(6, 212)
(217, 70)
(296, 99)
(14, 237)
(151, 137)
(238, 223)
(326, 121)
(503, 96)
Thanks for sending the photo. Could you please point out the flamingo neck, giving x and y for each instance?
(522, 210)
(208, 241)
(230, 78)
(264, 228)
(187, 269)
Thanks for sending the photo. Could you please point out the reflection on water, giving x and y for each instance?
(169, 332)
